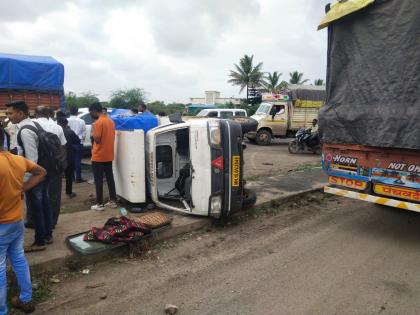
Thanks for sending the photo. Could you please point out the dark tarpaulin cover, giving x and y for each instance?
(307, 92)
(38, 73)
(373, 77)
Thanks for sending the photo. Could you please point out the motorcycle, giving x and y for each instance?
(300, 143)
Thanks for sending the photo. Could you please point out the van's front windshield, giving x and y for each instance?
(264, 109)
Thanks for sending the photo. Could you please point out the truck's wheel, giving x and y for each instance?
(250, 198)
(263, 137)
(293, 147)
(247, 123)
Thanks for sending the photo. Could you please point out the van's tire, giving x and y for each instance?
(247, 123)
(263, 137)
(250, 198)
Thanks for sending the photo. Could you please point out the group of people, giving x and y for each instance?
(27, 172)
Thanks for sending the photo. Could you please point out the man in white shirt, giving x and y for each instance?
(42, 114)
(38, 208)
(79, 127)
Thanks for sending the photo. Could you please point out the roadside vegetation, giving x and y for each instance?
(247, 74)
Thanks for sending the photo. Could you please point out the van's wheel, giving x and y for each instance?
(263, 137)
(250, 198)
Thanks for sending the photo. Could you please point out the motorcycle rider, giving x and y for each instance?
(313, 139)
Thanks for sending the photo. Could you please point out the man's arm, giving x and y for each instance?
(38, 174)
(97, 132)
(61, 135)
(83, 131)
(30, 144)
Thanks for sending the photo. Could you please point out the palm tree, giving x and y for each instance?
(319, 82)
(272, 82)
(296, 78)
(246, 74)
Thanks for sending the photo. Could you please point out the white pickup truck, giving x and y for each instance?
(193, 167)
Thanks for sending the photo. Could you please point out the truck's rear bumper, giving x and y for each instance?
(373, 199)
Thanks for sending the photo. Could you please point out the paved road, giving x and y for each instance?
(316, 256)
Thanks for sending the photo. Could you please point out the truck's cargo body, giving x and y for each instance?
(37, 80)
(370, 122)
(373, 77)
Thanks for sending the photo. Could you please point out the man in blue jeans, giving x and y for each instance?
(37, 198)
(12, 230)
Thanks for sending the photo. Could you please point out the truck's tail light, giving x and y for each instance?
(218, 163)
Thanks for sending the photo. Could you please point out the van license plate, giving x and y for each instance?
(236, 167)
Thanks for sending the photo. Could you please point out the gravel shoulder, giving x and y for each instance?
(318, 255)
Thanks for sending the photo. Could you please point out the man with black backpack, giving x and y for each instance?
(43, 118)
(29, 144)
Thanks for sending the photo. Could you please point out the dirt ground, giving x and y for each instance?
(259, 161)
(318, 255)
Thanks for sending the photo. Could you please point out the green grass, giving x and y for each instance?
(305, 167)
(40, 288)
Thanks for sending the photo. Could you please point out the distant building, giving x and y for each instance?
(213, 98)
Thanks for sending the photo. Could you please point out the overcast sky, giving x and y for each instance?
(171, 49)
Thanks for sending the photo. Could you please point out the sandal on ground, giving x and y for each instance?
(34, 248)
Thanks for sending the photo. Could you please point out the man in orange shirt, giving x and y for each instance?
(12, 187)
(103, 134)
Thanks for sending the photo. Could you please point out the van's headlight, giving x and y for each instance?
(214, 132)
(216, 206)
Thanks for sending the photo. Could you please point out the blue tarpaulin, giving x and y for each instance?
(38, 73)
(145, 121)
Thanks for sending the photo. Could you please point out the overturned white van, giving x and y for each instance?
(193, 167)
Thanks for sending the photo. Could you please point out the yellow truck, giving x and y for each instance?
(281, 115)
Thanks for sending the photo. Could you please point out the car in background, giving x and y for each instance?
(87, 118)
(224, 113)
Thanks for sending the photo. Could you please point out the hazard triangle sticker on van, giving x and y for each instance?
(218, 163)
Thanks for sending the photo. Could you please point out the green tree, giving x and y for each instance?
(246, 74)
(129, 98)
(272, 82)
(175, 108)
(84, 100)
(319, 82)
(296, 77)
(157, 107)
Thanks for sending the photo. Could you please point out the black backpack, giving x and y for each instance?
(51, 154)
